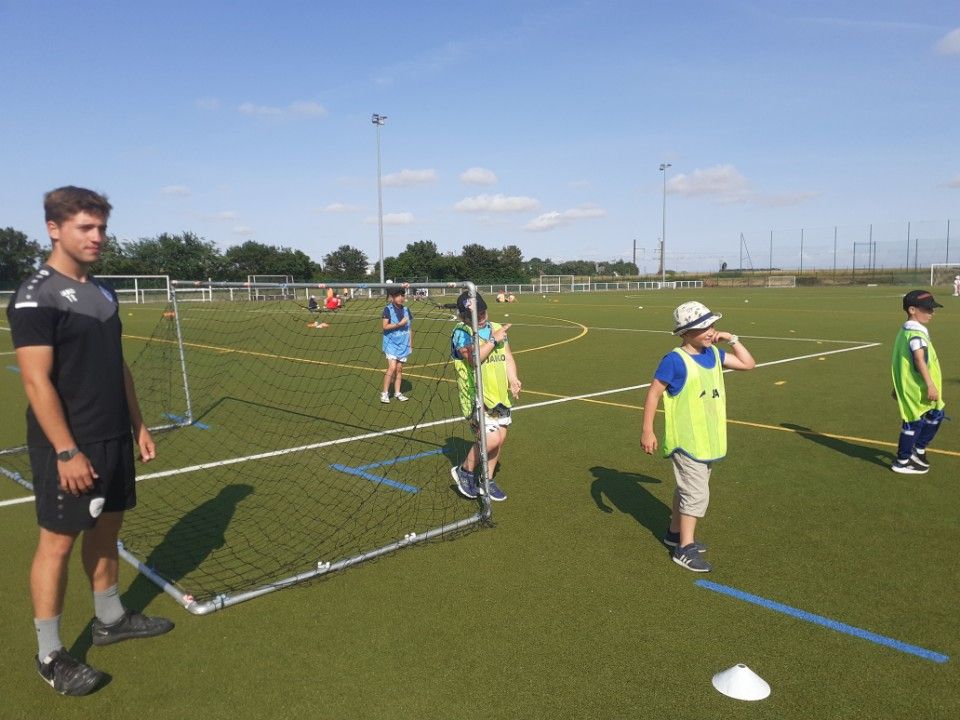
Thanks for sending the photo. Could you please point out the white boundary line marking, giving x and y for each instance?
(408, 428)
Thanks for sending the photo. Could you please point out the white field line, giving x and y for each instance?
(408, 428)
(667, 332)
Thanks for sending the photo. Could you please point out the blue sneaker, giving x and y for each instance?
(672, 539)
(689, 557)
(466, 485)
(496, 494)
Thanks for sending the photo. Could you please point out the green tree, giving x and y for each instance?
(182, 257)
(114, 260)
(19, 256)
(253, 258)
(345, 263)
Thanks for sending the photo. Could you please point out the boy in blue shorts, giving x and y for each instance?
(917, 383)
(500, 382)
(397, 342)
(690, 380)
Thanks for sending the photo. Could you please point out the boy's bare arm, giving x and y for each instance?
(920, 362)
(648, 439)
(512, 377)
(737, 357)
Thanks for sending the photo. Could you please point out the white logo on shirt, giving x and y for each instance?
(70, 294)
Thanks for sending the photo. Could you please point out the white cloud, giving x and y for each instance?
(728, 185)
(554, 219)
(955, 183)
(176, 190)
(497, 204)
(208, 103)
(223, 216)
(949, 44)
(297, 109)
(340, 208)
(478, 176)
(405, 178)
(402, 218)
(242, 230)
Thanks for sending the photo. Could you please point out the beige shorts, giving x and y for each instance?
(693, 484)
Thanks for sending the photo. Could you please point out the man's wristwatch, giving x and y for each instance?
(68, 455)
(734, 339)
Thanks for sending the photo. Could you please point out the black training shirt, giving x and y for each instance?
(81, 322)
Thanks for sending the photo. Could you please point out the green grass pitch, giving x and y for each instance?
(570, 607)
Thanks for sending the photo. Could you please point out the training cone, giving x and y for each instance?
(741, 683)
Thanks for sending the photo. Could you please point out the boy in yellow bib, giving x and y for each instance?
(917, 383)
(690, 380)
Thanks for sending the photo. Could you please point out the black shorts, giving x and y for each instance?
(114, 491)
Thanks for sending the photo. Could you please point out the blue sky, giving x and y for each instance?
(537, 124)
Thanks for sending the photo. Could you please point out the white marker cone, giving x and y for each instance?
(741, 683)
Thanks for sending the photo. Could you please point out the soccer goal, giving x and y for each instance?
(277, 463)
(139, 288)
(270, 287)
(555, 283)
(781, 281)
(943, 273)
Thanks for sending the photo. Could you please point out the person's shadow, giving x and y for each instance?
(844, 447)
(185, 546)
(626, 492)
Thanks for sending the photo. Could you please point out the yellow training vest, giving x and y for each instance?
(696, 417)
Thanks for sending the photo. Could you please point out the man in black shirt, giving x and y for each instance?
(82, 406)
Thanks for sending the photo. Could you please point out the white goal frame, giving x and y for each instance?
(943, 273)
(159, 288)
(555, 283)
(781, 281)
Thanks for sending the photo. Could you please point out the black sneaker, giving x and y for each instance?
(920, 457)
(672, 539)
(689, 557)
(67, 675)
(909, 467)
(131, 625)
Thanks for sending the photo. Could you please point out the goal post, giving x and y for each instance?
(555, 283)
(781, 281)
(138, 288)
(277, 462)
(943, 274)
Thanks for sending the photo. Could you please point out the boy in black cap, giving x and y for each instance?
(916, 384)
(500, 381)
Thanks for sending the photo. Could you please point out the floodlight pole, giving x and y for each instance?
(663, 235)
(379, 120)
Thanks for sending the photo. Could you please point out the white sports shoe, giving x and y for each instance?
(401, 397)
(384, 398)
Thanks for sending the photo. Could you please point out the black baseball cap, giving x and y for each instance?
(398, 290)
(920, 299)
(463, 303)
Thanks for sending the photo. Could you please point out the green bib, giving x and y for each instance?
(696, 417)
(496, 388)
(908, 383)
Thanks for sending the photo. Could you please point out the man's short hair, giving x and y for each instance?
(63, 203)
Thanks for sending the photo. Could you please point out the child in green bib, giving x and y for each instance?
(917, 384)
(690, 380)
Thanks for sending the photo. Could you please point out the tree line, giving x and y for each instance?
(186, 256)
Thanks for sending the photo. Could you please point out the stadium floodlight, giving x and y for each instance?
(663, 236)
(379, 120)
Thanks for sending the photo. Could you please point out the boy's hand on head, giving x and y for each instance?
(501, 333)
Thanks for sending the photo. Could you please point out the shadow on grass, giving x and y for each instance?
(873, 455)
(626, 492)
(185, 546)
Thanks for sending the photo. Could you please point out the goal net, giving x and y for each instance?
(555, 283)
(782, 281)
(943, 274)
(277, 462)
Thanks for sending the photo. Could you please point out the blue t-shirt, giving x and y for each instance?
(673, 373)
(462, 338)
(396, 342)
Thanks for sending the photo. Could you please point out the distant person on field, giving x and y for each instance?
(312, 304)
(956, 285)
(500, 382)
(917, 384)
(397, 342)
(334, 302)
(82, 421)
(690, 380)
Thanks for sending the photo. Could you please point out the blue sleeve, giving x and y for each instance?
(723, 354)
(672, 372)
(386, 314)
(461, 338)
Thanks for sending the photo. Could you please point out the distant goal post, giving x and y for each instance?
(943, 273)
(138, 288)
(781, 281)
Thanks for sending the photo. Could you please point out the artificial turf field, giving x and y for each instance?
(569, 607)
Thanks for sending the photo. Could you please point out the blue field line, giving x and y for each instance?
(825, 622)
(13, 368)
(181, 419)
(375, 478)
(405, 458)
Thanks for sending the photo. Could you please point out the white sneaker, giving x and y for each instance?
(384, 398)
(401, 397)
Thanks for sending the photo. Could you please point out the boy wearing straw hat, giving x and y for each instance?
(690, 380)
